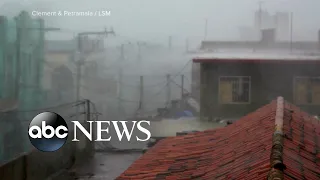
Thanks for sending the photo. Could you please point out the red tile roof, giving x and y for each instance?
(276, 141)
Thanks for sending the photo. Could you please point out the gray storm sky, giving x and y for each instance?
(156, 20)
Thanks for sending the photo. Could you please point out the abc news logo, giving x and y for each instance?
(48, 131)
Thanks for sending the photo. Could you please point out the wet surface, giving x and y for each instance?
(103, 166)
(106, 165)
(123, 142)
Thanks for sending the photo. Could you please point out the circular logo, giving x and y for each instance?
(48, 132)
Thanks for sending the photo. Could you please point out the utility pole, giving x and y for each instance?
(170, 43)
(139, 52)
(319, 43)
(18, 53)
(291, 30)
(260, 14)
(141, 94)
(168, 89)
(187, 45)
(81, 61)
(78, 65)
(182, 85)
(120, 77)
(88, 118)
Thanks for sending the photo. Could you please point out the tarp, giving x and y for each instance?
(185, 114)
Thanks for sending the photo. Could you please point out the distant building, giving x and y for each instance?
(249, 33)
(268, 36)
(59, 72)
(20, 74)
(282, 25)
(280, 21)
(263, 20)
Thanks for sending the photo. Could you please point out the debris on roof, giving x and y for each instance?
(276, 141)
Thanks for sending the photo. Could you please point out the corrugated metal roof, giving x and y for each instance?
(250, 148)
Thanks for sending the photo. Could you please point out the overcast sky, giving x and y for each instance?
(156, 20)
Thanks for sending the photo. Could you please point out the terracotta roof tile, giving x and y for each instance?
(239, 151)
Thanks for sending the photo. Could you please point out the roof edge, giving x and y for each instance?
(258, 60)
(276, 157)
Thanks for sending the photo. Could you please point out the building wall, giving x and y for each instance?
(21, 69)
(267, 82)
(195, 78)
(94, 85)
(53, 60)
(59, 78)
(282, 25)
(263, 20)
(279, 21)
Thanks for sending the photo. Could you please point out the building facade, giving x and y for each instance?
(231, 85)
(280, 21)
(60, 72)
(21, 69)
(61, 75)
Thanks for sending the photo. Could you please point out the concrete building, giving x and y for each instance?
(282, 25)
(59, 71)
(236, 81)
(21, 68)
(248, 33)
(280, 21)
(263, 20)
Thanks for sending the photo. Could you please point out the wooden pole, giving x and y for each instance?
(182, 85)
(168, 89)
(291, 31)
(141, 94)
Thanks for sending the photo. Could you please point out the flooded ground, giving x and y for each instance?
(169, 127)
(104, 166)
